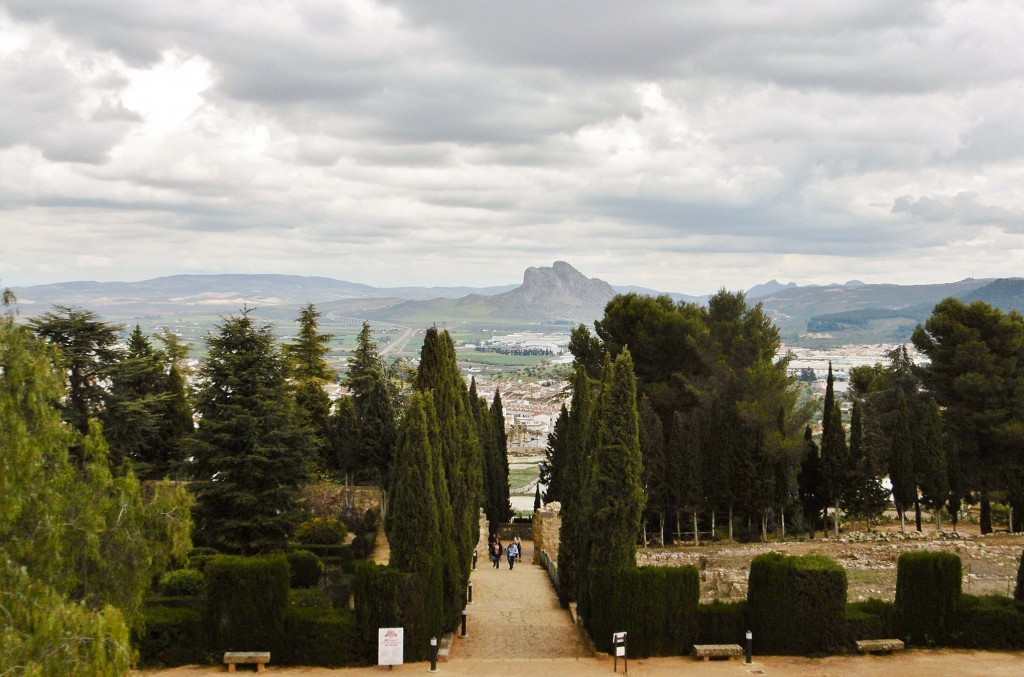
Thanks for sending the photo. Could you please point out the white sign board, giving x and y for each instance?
(389, 646)
(619, 640)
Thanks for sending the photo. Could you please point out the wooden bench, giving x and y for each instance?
(879, 645)
(233, 658)
(709, 651)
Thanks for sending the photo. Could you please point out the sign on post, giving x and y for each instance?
(389, 646)
(619, 646)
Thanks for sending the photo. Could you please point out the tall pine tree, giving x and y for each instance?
(251, 448)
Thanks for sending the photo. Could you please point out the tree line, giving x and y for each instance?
(117, 459)
(725, 433)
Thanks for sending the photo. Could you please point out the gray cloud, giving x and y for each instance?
(662, 143)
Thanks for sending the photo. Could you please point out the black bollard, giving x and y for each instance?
(474, 559)
(465, 614)
(750, 648)
(433, 654)
(470, 594)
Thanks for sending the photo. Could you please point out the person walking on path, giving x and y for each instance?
(513, 553)
(496, 553)
(519, 547)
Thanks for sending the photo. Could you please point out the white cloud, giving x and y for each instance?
(683, 146)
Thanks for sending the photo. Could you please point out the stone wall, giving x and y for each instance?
(546, 524)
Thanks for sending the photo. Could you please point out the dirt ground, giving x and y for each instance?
(989, 562)
(906, 664)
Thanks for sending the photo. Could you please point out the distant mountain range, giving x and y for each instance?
(556, 295)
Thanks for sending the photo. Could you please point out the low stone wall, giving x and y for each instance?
(546, 526)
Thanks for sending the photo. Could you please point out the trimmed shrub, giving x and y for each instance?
(198, 557)
(321, 530)
(389, 598)
(362, 545)
(870, 619)
(246, 599)
(927, 594)
(182, 583)
(657, 607)
(174, 602)
(323, 637)
(309, 598)
(988, 622)
(306, 569)
(722, 622)
(797, 605)
(170, 636)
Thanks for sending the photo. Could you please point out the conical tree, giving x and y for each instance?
(413, 523)
(310, 374)
(577, 458)
(553, 470)
(811, 483)
(615, 493)
(251, 448)
(457, 439)
(685, 450)
(499, 461)
(373, 398)
(901, 460)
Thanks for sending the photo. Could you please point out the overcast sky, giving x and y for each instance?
(683, 146)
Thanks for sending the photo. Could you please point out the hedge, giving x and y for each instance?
(797, 605)
(722, 622)
(306, 569)
(988, 622)
(927, 594)
(656, 606)
(171, 636)
(389, 598)
(246, 599)
(870, 619)
(182, 583)
(322, 637)
(321, 530)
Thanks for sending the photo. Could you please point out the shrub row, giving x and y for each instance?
(721, 623)
(656, 606)
(797, 605)
(927, 595)
(389, 598)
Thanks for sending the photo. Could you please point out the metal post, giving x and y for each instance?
(433, 654)
(464, 615)
(470, 594)
(474, 559)
(750, 648)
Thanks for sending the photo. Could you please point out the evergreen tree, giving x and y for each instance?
(374, 401)
(685, 450)
(553, 469)
(310, 374)
(834, 453)
(811, 482)
(413, 523)
(344, 440)
(88, 352)
(251, 448)
(656, 477)
(577, 459)
(457, 439)
(864, 495)
(901, 460)
(615, 492)
(499, 462)
(930, 463)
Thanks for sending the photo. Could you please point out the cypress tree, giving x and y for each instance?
(457, 439)
(573, 500)
(413, 522)
(811, 483)
(685, 448)
(901, 460)
(615, 492)
(930, 462)
(864, 494)
(499, 465)
(656, 477)
(553, 470)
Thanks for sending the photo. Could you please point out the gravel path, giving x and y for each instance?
(515, 614)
